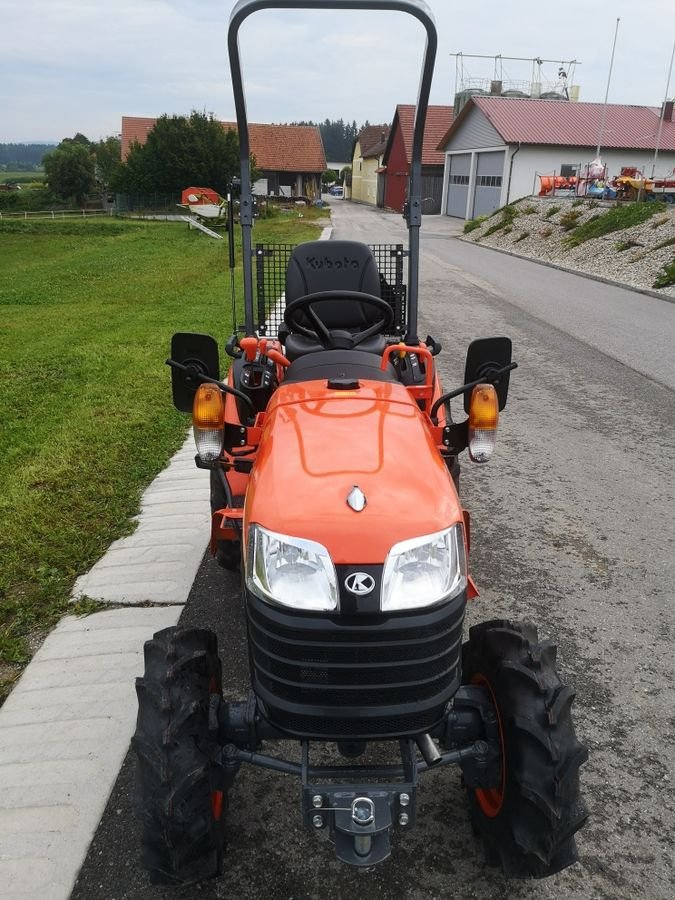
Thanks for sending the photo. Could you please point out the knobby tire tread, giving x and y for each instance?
(532, 835)
(180, 842)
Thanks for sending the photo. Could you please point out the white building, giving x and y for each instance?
(497, 146)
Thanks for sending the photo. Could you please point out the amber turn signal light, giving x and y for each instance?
(208, 407)
(208, 416)
(483, 420)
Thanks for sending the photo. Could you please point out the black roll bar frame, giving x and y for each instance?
(420, 11)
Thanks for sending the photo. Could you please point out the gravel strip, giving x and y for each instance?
(537, 233)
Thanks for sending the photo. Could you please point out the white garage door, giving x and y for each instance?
(458, 184)
(488, 191)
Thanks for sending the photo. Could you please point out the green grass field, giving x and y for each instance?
(87, 310)
(22, 177)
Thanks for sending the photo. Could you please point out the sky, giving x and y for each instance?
(80, 65)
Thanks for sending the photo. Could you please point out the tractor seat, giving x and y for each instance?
(333, 266)
(341, 364)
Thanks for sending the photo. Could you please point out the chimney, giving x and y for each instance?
(667, 111)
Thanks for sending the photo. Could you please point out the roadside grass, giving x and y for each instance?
(614, 219)
(86, 421)
(508, 215)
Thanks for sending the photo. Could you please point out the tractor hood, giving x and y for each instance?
(318, 444)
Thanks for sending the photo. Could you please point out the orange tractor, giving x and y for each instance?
(333, 459)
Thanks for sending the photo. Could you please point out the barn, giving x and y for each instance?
(397, 155)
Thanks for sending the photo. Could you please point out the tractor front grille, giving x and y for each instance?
(376, 676)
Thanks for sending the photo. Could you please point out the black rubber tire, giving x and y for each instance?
(181, 842)
(228, 553)
(529, 830)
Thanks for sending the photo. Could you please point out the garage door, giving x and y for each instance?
(458, 184)
(489, 169)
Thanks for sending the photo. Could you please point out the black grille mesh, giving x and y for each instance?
(356, 679)
(271, 262)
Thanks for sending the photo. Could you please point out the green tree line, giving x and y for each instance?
(23, 157)
(338, 137)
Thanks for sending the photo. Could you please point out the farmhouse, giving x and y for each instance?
(497, 147)
(367, 158)
(290, 157)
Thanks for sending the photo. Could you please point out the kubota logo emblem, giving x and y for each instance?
(359, 583)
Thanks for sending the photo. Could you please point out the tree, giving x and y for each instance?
(182, 151)
(70, 170)
(108, 162)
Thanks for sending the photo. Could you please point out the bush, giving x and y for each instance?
(546, 231)
(552, 211)
(577, 202)
(570, 219)
(521, 236)
(666, 276)
(528, 210)
(628, 245)
(29, 201)
(472, 224)
(509, 213)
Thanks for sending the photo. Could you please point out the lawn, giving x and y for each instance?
(87, 310)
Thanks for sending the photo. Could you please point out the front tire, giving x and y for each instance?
(528, 823)
(228, 553)
(179, 802)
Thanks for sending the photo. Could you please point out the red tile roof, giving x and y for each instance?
(277, 148)
(439, 119)
(564, 124)
(373, 139)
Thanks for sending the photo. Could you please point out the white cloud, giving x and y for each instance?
(79, 65)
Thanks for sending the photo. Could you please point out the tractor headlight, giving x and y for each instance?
(290, 571)
(425, 570)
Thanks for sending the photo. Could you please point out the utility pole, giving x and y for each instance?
(601, 133)
(663, 111)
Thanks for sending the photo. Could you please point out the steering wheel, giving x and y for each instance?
(336, 339)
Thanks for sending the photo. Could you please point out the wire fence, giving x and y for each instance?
(146, 203)
(56, 214)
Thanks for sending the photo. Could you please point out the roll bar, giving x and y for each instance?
(420, 11)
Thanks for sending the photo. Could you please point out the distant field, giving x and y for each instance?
(87, 311)
(22, 177)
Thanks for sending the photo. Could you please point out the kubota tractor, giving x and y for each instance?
(333, 462)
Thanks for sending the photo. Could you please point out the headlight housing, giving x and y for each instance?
(290, 571)
(424, 571)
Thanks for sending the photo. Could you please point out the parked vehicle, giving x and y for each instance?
(333, 458)
(336, 190)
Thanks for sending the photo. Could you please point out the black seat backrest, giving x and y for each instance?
(333, 266)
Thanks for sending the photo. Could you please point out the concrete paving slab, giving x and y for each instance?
(62, 740)
(158, 563)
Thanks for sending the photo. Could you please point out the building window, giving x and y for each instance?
(459, 179)
(567, 170)
(494, 181)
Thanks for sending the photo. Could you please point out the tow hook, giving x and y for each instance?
(360, 821)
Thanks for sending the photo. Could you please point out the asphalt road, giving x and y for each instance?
(572, 526)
